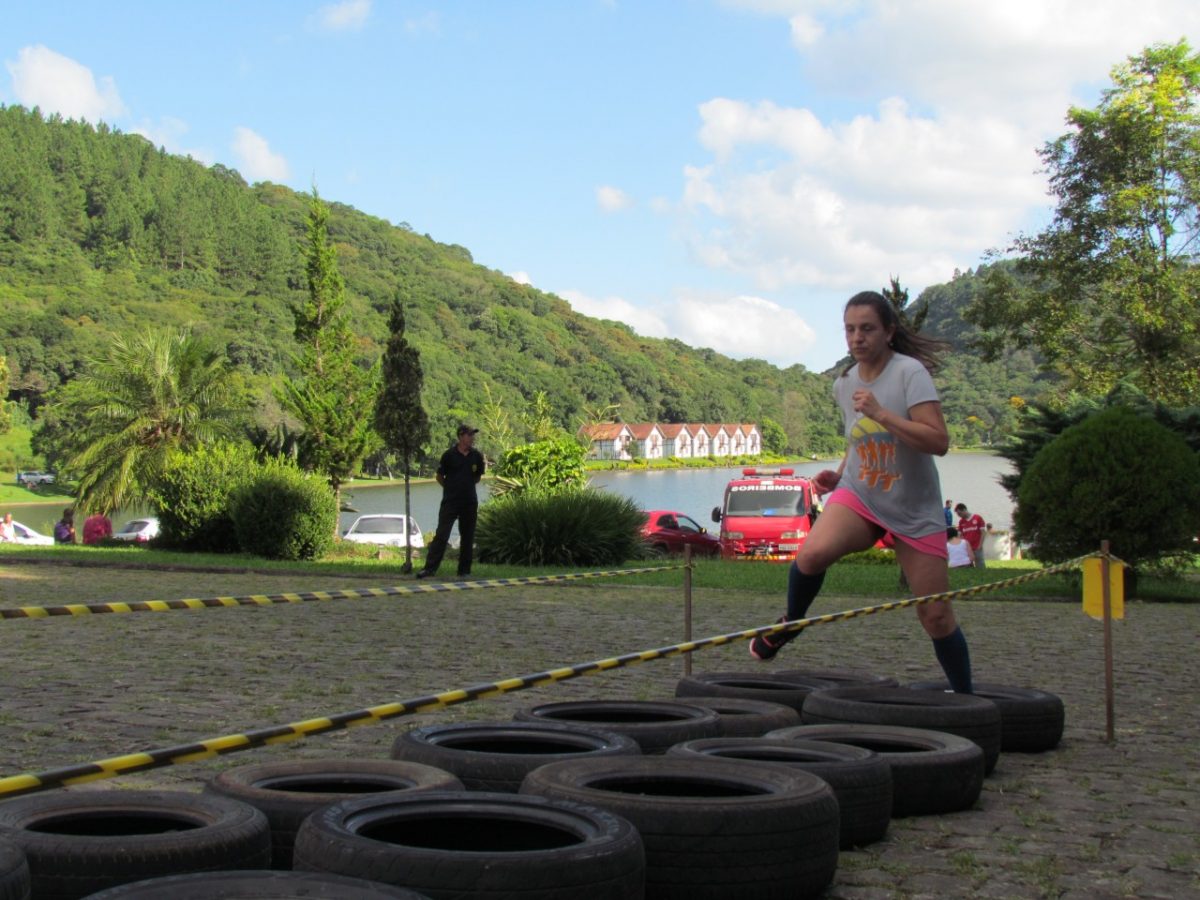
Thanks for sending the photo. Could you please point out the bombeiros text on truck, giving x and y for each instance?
(766, 515)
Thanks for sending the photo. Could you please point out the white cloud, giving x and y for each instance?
(168, 133)
(612, 199)
(806, 30)
(520, 277)
(644, 322)
(934, 161)
(255, 160)
(429, 23)
(58, 84)
(348, 15)
(890, 193)
(740, 326)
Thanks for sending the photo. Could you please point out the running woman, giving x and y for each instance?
(887, 485)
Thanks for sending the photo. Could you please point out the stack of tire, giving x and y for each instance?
(602, 811)
(717, 793)
(938, 745)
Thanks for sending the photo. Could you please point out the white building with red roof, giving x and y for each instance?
(649, 440)
(652, 440)
(609, 440)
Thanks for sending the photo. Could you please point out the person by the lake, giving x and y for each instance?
(972, 527)
(64, 528)
(887, 482)
(949, 514)
(96, 528)
(8, 534)
(958, 551)
(458, 471)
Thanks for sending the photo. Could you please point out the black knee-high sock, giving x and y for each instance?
(955, 658)
(802, 590)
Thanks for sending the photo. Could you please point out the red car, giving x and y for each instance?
(667, 531)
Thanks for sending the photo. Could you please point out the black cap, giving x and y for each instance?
(467, 429)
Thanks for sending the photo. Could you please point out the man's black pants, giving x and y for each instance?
(466, 516)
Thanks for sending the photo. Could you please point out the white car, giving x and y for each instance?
(385, 529)
(138, 530)
(32, 479)
(26, 535)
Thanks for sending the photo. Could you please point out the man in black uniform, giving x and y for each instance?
(458, 472)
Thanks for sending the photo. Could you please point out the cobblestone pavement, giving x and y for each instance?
(1087, 820)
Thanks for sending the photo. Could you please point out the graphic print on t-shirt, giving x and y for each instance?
(876, 451)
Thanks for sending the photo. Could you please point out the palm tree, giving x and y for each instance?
(159, 391)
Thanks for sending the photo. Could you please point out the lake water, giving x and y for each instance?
(972, 478)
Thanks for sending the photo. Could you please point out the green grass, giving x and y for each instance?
(17, 456)
(15, 452)
(12, 493)
(872, 582)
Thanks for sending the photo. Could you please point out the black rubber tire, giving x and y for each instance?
(772, 687)
(496, 756)
(654, 724)
(257, 886)
(841, 677)
(287, 792)
(966, 715)
(68, 837)
(861, 779)
(737, 717)
(477, 845)
(1032, 721)
(712, 828)
(14, 872)
(932, 772)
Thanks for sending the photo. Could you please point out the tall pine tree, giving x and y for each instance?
(333, 397)
(400, 418)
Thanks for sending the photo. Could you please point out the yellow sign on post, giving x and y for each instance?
(1093, 588)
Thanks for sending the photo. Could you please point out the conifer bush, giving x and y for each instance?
(577, 527)
(282, 513)
(1117, 476)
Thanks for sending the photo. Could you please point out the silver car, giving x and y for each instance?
(138, 531)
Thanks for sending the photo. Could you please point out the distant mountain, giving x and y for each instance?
(102, 233)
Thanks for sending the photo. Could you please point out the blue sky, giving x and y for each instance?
(725, 172)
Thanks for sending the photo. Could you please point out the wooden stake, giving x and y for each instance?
(1108, 646)
(687, 605)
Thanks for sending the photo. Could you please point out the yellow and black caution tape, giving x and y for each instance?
(438, 587)
(15, 785)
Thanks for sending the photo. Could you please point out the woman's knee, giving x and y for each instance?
(812, 560)
(937, 619)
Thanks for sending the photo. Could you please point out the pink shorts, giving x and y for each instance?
(931, 545)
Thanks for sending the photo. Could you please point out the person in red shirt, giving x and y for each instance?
(96, 528)
(971, 528)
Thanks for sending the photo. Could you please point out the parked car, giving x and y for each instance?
(385, 529)
(32, 478)
(138, 530)
(26, 535)
(668, 531)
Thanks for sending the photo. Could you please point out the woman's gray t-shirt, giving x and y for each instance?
(897, 483)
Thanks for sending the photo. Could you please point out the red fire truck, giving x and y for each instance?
(766, 515)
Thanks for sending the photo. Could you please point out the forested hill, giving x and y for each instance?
(101, 233)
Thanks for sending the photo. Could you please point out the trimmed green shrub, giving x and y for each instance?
(281, 513)
(191, 497)
(1116, 476)
(582, 527)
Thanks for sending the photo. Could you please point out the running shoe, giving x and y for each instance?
(765, 646)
